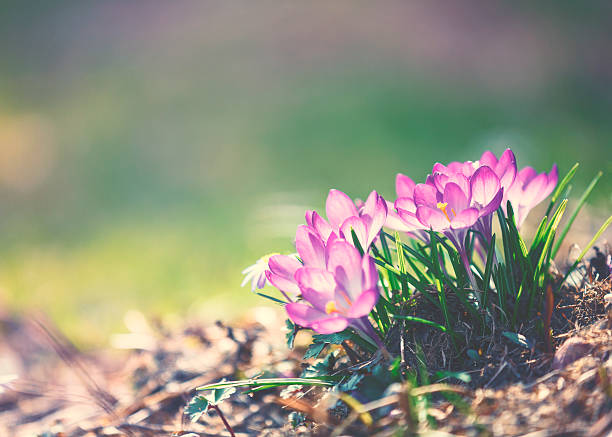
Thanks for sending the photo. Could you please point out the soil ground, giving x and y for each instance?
(141, 386)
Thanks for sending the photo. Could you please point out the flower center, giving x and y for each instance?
(330, 307)
(442, 206)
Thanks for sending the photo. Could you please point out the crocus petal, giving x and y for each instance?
(506, 168)
(375, 213)
(485, 185)
(321, 226)
(493, 204)
(439, 168)
(440, 180)
(489, 159)
(432, 218)
(464, 219)
(405, 203)
(284, 265)
(526, 175)
(317, 286)
(455, 197)
(304, 315)
(364, 304)
(329, 325)
(338, 208)
(345, 264)
(310, 247)
(370, 274)
(410, 220)
(532, 193)
(404, 186)
(393, 220)
(553, 178)
(358, 225)
(308, 216)
(283, 283)
(425, 194)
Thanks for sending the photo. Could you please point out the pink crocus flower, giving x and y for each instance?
(458, 208)
(505, 170)
(311, 250)
(344, 216)
(404, 189)
(529, 189)
(338, 296)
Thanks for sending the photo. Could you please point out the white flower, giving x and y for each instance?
(256, 273)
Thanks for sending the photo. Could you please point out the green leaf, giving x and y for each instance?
(519, 339)
(356, 242)
(336, 338)
(314, 350)
(220, 394)
(292, 331)
(197, 407)
(352, 383)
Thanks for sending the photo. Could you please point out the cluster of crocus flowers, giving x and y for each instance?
(332, 282)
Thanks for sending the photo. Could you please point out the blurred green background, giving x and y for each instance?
(149, 151)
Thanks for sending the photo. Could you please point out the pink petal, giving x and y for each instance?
(345, 264)
(395, 222)
(465, 218)
(405, 203)
(425, 194)
(329, 325)
(485, 185)
(358, 225)
(339, 207)
(310, 247)
(283, 283)
(316, 283)
(535, 190)
(440, 180)
(506, 168)
(364, 304)
(553, 178)
(410, 220)
(303, 315)
(370, 274)
(526, 175)
(432, 218)
(404, 186)
(493, 204)
(308, 216)
(284, 265)
(375, 213)
(489, 159)
(322, 227)
(455, 197)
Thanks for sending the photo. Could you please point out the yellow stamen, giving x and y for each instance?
(442, 207)
(330, 307)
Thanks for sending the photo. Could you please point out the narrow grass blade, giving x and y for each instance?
(420, 320)
(581, 203)
(566, 180)
(588, 246)
(268, 382)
